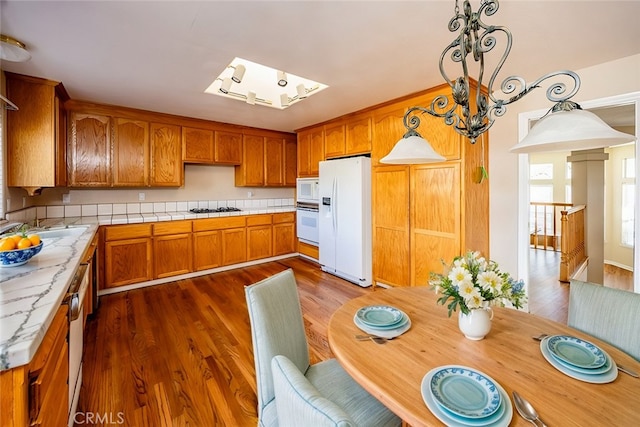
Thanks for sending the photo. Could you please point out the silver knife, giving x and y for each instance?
(628, 371)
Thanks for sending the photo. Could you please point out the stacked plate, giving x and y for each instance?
(579, 359)
(462, 396)
(382, 320)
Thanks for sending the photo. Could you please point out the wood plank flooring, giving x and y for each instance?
(548, 297)
(180, 354)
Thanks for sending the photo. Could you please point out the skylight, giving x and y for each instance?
(258, 84)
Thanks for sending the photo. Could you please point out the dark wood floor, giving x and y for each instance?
(180, 354)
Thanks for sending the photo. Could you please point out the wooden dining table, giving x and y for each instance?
(393, 371)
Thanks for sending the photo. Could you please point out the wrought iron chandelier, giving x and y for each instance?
(475, 38)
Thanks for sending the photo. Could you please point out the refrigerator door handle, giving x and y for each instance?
(334, 195)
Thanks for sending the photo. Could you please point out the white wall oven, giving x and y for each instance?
(307, 199)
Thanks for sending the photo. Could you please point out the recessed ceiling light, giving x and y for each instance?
(258, 84)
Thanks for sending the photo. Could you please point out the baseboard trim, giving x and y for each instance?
(191, 275)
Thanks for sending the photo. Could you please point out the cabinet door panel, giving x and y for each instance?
(127, 261)
(444, 139)
(172, 255)
(197, 145)
(290, 161)
(207, 250)
(436, 208)
(259, 242)
(284, 238)
(304, 151)
(316, 151)
(34, 134)
(387, 130)
(334, 140)
(251, 172)
(90, 150)
(131, 153)
(358, 139)
(234, 246)
(228, 148)
(166, 156)
(274, 161)
(390, 218)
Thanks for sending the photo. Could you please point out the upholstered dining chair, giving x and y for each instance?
(612, 315)
(303, 395)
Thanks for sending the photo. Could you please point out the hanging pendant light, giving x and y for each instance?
(471, 116)
(412, 150)
(568, 128)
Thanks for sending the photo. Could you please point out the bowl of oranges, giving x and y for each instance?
(19, 248)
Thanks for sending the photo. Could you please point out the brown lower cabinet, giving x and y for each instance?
(135, 253)
(172, 248)
(128, 254)
(259, 237)
(284, 233)
(37, 394)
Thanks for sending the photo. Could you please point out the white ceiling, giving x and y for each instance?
(162, 55)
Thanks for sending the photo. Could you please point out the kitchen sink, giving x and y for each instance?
(56, 232)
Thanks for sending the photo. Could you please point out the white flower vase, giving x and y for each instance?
(477, 324)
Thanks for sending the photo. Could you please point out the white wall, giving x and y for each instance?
(600, 81)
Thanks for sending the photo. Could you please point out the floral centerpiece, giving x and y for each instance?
(472, 282)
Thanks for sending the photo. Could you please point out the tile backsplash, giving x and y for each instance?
(143, 208)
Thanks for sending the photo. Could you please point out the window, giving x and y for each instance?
(541, 171)
(628, 201)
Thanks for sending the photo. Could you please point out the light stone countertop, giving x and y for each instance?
(30, 294)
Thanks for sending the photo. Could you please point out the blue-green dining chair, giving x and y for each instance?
(291, 391)
(612, 315)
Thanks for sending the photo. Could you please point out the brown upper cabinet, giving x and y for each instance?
(212, 147)
(358, 135)
(106, 150)
(268, 160)
(348, 136)
(167, 169)
(131, 153)
(36, 142)
(310, 151)
(89, 154)
(334, 140)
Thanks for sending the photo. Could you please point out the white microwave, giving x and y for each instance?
(308, 190)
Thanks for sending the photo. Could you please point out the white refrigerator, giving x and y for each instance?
(345, 219)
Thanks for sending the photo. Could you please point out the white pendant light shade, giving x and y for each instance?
(570, 131)
(412, 150)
